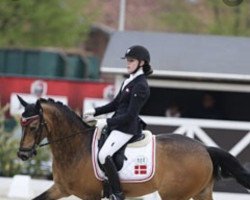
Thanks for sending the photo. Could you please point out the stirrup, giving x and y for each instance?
(119, 196)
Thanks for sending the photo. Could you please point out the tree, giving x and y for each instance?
(35, 23)
(229, 20)
(178, 17)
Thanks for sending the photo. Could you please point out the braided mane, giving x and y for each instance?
(66, 110)
(77, 125)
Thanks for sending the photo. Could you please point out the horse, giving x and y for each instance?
(185, 168)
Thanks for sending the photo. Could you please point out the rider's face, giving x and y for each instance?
(132, 64)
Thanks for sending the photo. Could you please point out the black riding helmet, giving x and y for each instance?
(138, 52)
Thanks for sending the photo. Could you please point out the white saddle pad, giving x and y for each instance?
(140, 163)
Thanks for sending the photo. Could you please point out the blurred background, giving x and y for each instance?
(70, 50)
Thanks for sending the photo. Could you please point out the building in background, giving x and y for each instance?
(186, 67)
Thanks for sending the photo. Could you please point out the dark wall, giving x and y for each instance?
(229, 105)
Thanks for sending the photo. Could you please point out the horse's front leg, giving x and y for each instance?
(52, 193)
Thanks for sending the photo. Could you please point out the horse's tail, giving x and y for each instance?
(228, 166)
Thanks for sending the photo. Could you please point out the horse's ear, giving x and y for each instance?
(24, 103)
(38, 105)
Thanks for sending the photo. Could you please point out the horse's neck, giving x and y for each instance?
(71, 149)
(69, 142)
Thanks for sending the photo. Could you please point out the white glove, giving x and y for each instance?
(88, 117)
(101, 123)
(89, 112)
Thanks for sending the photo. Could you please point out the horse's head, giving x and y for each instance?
(33, 130)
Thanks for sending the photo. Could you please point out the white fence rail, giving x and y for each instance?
(194, 127)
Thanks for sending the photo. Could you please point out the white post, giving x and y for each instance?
(122, 15)
(20, 187)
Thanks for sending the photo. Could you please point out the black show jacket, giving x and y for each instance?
(127, 105)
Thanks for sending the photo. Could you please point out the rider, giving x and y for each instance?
(125, 123)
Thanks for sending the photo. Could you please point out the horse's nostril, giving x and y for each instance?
(23, 156)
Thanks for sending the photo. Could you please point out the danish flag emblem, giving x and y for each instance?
(140, 169)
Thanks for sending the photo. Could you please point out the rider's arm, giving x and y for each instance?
(110, 107)
(140, 94)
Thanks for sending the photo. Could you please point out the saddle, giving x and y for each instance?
(135, 161)
(119, 156)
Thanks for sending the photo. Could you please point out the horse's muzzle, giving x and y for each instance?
(26, 154)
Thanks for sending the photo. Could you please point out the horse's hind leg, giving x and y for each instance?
(51, 194)
(206, 194)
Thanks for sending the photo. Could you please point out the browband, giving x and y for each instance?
(27, 120)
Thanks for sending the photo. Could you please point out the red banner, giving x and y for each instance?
(76, 91)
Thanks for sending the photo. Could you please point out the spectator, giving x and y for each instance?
(208, 109)
(173, 111)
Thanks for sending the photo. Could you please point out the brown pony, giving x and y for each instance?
(185, 168)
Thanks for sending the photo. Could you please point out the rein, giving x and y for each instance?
(25, 121)
(63, 138)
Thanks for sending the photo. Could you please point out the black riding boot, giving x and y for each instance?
(111, 173)
(107, 190)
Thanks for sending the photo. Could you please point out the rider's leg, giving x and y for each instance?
(113, 178)
(113, 143)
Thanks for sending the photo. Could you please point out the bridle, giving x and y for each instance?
(25, 121)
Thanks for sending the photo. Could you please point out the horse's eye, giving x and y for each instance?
(32, 128)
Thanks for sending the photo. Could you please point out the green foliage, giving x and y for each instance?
(35, 23)
(230, 20)
(38, 166)
(179, 18)
(10, 164)
(8, 154)
(181, 22)
(210, 17)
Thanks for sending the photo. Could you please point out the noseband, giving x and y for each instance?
(38, 133)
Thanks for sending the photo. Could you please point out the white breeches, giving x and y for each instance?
(114, 142)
